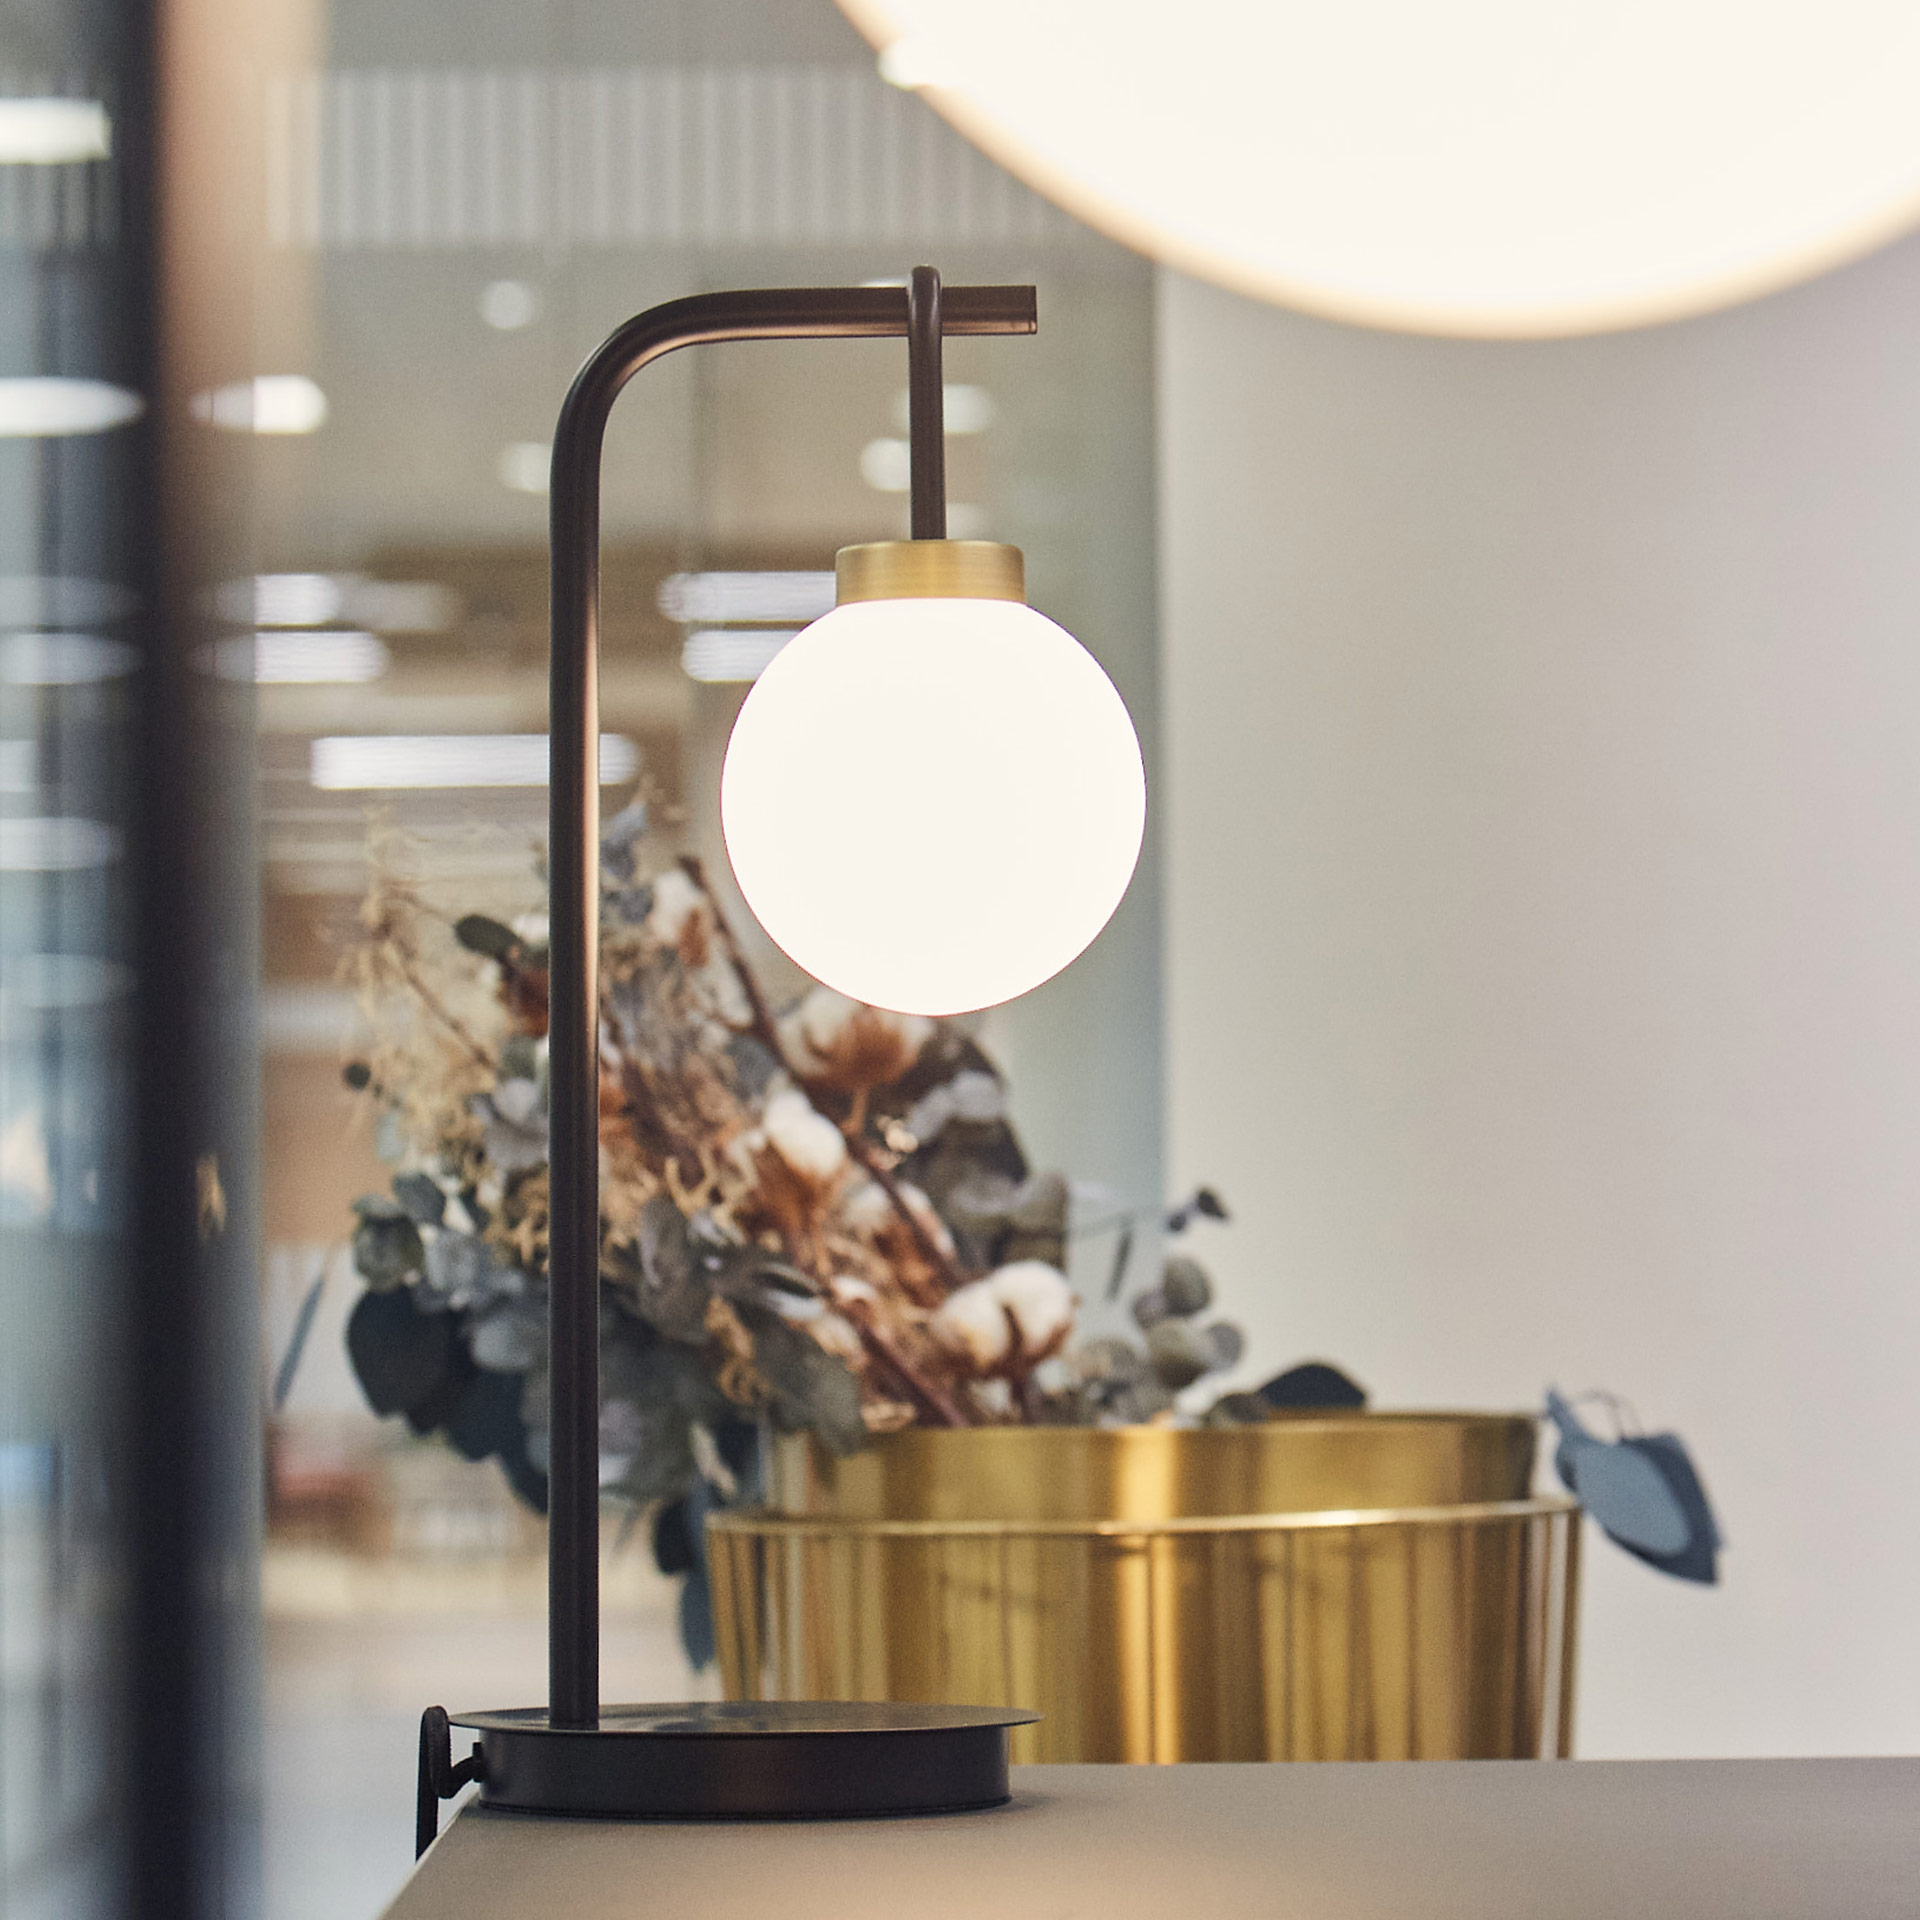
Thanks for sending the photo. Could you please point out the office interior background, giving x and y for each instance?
(1524, 946)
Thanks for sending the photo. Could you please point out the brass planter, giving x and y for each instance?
(1353, 1586)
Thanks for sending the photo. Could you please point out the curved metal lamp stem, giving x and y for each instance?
(803, 313)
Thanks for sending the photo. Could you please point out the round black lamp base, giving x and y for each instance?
(747, 1760)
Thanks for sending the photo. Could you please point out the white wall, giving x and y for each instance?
(1541, 814)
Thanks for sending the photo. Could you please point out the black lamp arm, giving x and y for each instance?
(924, 313)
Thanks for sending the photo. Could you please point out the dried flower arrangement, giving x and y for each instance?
(818, 1217)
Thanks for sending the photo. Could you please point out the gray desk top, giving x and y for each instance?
(1493, 1840)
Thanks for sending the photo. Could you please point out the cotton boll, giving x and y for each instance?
(839, 1336)
(1040, 1301)
(867, 1208)
(850, 1046)
(870, 1210)
(850, 1292)
(807, 1141)
(995, 1399)
(1053, 1376)
(518, 1101)
(798, 1309)
(972, 1325)
(675, 900)
(719, 986)
(822, 1018)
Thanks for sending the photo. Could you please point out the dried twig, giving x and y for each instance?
(931, 1396)
(858, 1145)
(935, 1255)
(762, 1027)
(444, 1014)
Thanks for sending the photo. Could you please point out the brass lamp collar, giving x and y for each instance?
(930, 570)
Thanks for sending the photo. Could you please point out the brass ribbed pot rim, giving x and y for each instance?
(756, 1520)
(1251, 1433)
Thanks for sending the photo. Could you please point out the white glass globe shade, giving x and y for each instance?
(933, 805)
(1480, 167)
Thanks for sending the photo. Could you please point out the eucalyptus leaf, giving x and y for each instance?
(486, 1419)
(401, 1357)
(630, 904)
(464, 1272)
(672, 1540)
(1185, 1285)
(1132, 1406)
(617, 837)
(810, 1387)
(509, 1338)
(515, 1117)
(661, 1464)
(1237, 1410)
(387, 1250)
(1037, 1222)
(671, 1287)
(1225, 1343)
(652, 1373)
(1312, 1384)
(479, 933)
(420, 1197)
(1177, 1354)
(753, 1065)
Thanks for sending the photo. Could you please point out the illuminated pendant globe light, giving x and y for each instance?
(933, 798)
(1479, 167)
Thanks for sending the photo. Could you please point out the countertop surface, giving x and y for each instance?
(1568, 1840)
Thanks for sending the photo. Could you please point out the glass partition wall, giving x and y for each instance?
(462, 199)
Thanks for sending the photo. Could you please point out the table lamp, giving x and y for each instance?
(931, 741)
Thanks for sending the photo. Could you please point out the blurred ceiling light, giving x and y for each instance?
(967, 410)
(1492, 167)
(56, 843)
(268, 403)
(509, 305)
(287, 600)
(302, 659)
(62, 659)
(19, 767)
(341, 762)
(688, 597)
(525, 466)
(318, 599)
(52, 132)
(42, 406)
(887, 465)
(730, 655)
